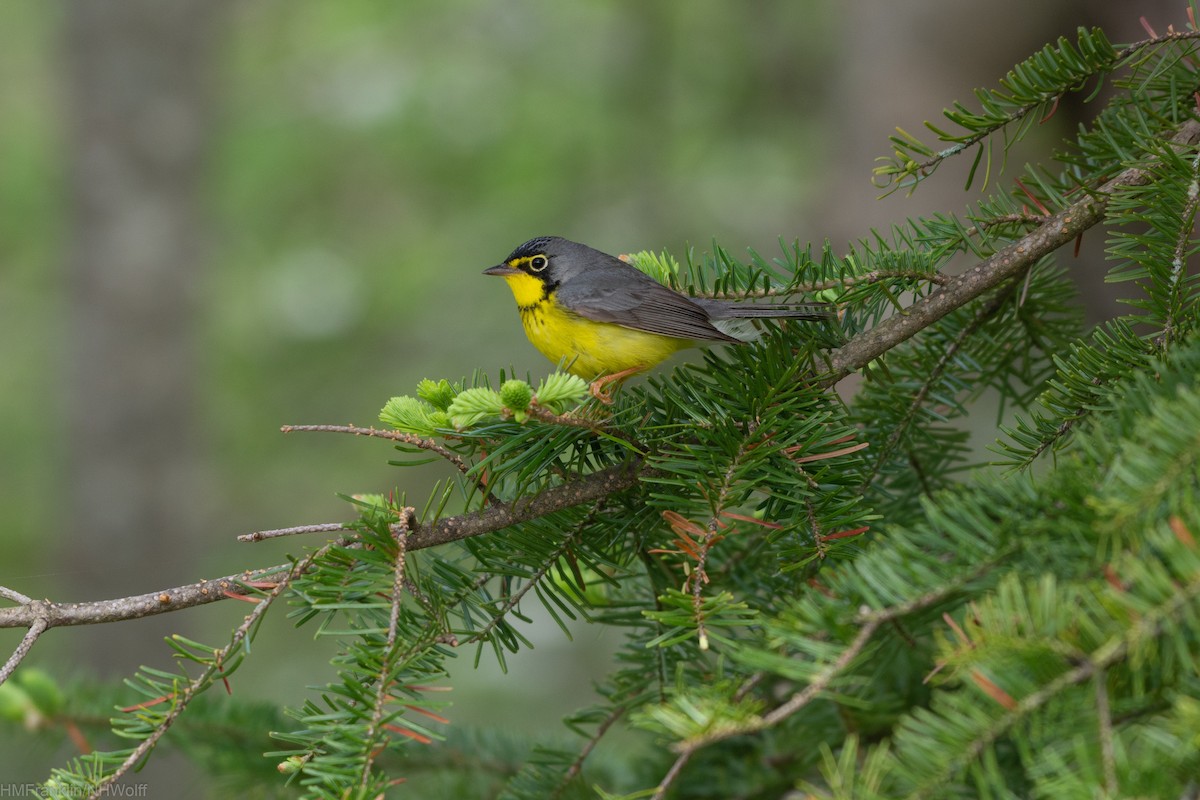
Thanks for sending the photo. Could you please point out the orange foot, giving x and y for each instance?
(598, 385)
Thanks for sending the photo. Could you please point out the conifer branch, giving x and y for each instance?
(870, 621)
(181, 701)
(982, 315)
(1003, 111)
(711, 536)
(570, 493)
(388, 661)
(1155, 40)
(514, 599)
(420, 535)
(1057, 230)
(1150, 625)
(1183, 242)
(1006, 263)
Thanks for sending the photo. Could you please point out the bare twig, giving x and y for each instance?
(31, 636)
(56, 615)
(420, 442)
(15, 596)
(275, 533)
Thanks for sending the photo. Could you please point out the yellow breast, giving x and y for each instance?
(591, 348)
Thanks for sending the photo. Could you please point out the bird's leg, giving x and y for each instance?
(597, 386)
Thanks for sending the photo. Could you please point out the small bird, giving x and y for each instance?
(608, 320)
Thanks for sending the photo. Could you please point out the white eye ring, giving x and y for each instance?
(538, 263)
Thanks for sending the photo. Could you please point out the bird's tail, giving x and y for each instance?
(734, 319)
(806, 311)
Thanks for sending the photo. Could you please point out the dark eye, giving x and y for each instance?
(538, 263)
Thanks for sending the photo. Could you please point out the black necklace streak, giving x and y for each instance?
(548, 288)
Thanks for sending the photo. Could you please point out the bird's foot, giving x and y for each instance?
(597, 387)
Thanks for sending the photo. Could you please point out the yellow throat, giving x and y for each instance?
(589, 348)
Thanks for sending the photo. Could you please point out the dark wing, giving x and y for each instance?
(628, 297)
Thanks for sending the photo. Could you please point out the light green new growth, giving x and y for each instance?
(443, 405)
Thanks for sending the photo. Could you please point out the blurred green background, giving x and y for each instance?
(217, 218)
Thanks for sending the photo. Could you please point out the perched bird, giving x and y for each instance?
(606, 319)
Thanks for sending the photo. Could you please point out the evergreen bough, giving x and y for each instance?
(829, 594)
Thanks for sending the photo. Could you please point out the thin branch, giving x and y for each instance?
(826, 676)
(1169, 36)
(201, 682)
(1178, 263)
(665, 785)
(571, 420)
(421, 535)
(1025, 707)
(961, 145)
(871, 621)
(1149, 625)
(570, 493)
(514, 599)
(1004, 219)
(420, 442)
(931, 378)
(577, 765)
(38, 627)
(1104, 716)
(1057, 230)
(699, 576)
(56, 615)
(324, 527)
(15, 596)
(874, 276)
(384, 681)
